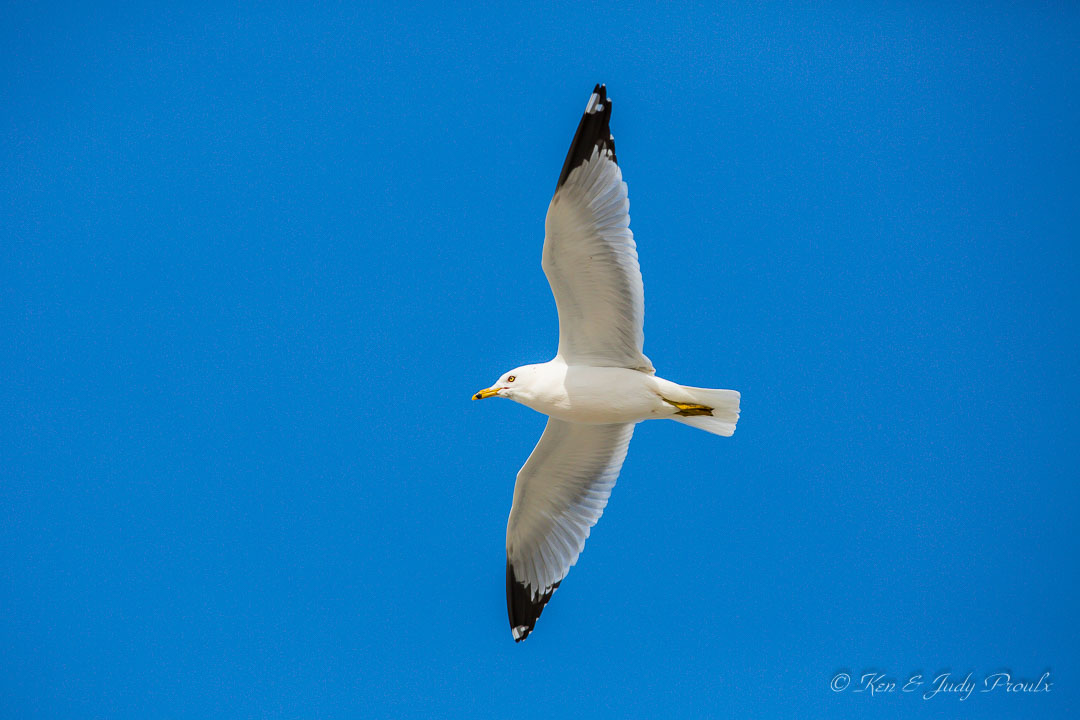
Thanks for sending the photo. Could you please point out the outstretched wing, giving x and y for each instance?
(560, 493)
(589, 254)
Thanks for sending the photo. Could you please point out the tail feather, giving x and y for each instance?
(724, 406)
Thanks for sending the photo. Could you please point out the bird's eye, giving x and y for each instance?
(510, 379)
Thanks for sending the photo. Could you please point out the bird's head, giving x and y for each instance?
(516, 385)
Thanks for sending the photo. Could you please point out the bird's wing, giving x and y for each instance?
(589, 254)
(560, 493)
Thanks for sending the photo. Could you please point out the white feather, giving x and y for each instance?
(591, 263)
(561, 492)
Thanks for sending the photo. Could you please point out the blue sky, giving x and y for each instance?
(256, 259)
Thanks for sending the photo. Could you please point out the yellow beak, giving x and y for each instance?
(490, 392)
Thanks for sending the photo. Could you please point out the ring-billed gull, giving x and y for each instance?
(598, 386)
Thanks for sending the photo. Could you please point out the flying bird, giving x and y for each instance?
(598, 386)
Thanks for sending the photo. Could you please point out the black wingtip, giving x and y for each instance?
(522, 608)
(593, 131)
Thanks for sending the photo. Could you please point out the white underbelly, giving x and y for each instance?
(602, 395)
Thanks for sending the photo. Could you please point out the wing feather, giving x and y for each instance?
(561, 492)
(590, 258)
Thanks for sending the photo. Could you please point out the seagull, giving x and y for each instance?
(598, 386)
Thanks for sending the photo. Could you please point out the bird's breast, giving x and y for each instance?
(599, 395)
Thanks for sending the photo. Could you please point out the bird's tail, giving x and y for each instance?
(714, 411)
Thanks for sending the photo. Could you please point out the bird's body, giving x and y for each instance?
(600, 383)
(600, 395)
(593, 395)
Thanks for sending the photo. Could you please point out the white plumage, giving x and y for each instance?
(591, 264)
(600, 383)
(560, 493)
